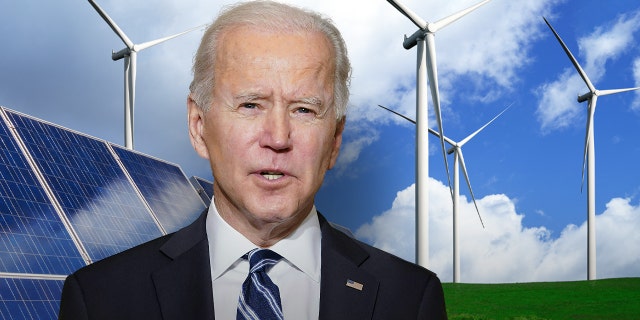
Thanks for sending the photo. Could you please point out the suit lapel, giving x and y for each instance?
(341, 260)
(183, 286)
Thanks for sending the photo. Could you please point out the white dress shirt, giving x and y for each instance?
(297, 275)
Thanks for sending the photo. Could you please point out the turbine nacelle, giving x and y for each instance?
(585, 97)
(115, 56)
(412, 41)
(451, 150)
(429, 27)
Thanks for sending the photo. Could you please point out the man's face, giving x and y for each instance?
(271, 132)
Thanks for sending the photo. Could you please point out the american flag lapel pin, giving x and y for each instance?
(354, 285)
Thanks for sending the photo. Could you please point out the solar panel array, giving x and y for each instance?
(67, 200)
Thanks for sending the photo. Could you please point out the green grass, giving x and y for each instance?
(596, 299)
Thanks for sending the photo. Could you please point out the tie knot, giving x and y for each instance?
(262, 259)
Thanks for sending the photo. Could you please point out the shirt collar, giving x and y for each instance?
(301, 248)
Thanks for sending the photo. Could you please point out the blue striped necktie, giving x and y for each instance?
(260, 297)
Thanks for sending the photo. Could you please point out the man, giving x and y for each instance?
(267, 108)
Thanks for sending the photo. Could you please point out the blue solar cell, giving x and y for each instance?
(164, 186)
(95, 194)
(204, 187)
(29, 298)
(33, 238)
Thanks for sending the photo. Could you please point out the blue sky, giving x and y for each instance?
(525, 168)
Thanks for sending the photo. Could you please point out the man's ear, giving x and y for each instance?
(337, 142)
(195, 119)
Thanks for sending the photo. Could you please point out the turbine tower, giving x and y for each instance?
(589, 156)
(456, 149)
(424, 38)
(129, 53)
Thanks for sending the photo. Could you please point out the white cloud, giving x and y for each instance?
(558, 107)
(507, 251)
(607, 43)
(394, 230)
(352, 145)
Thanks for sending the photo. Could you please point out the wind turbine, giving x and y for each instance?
(456, 149)
(589, 156)
(424, 38)
(129, 53)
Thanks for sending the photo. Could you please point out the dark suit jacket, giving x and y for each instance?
(170, 278)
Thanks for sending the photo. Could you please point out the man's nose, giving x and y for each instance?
(276, 130)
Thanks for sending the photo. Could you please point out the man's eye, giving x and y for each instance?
(304, 110)
(249, 106)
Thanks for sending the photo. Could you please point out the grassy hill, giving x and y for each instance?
(597, 299)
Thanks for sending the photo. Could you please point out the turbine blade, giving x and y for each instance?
(465, 140)
(591, 110)
(409, 14)
(142, 46)
(466, 176)
(112, 24)
(433, 132)
(449, 141)
(400, 115)
(614, 91)
(583, 75)
(432, 73)
(435, 26)
(444, 151)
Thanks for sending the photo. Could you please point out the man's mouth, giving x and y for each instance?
(272, 175)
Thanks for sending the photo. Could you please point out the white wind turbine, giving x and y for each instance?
(129, 53)
(424, 38)
(456, 149)
(589, 156)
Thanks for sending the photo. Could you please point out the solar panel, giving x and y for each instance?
(33, 238)
(165, 188)
(94, 192)
(29, 298)
(204, 188)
